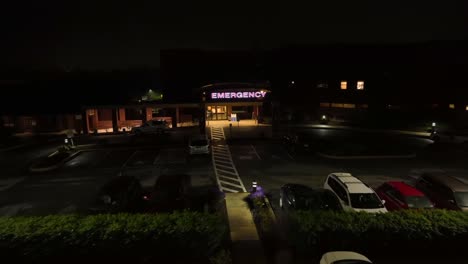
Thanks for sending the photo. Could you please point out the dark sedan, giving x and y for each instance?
(301, 197)
(297, 142)
(169, 193)
(120, 194)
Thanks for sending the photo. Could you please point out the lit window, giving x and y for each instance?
(344, 85)
(349, 106)
(452, 106)
(324, 104)
(335, 105)
(360, 85)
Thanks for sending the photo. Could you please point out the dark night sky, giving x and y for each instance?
(37, 34)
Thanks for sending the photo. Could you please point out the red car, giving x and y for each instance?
(399, 195)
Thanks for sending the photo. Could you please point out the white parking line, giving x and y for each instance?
(129, 158)
(6, 184)
(255, 151)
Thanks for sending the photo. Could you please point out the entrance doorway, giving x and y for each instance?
(218, 112)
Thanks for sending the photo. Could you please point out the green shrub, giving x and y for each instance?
(402, 231)
(142, 235)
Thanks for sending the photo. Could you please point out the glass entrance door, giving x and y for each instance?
(216, 112)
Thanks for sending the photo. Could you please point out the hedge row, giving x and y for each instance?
(407, 231)
(190, 234)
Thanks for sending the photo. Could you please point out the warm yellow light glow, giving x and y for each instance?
(324, 104)
(452, 106)
(360, 85)
(349, 106)
(466, 108)
(340, 105)
(344, 85)
(335, 105)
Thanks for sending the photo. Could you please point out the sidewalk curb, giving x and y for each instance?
(366, 157)
(56, 166)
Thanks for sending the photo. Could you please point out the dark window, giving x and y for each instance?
(365, 200)
(396, 195)
(338, 189)
(133, 114)
(104, 114)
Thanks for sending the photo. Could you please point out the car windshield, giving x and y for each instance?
(199, 142)
(461, 198)
(418, 202)
(365, 201)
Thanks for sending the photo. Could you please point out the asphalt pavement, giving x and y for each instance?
(73, 186)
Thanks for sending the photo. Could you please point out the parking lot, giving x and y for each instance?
(72, 187)
(235, 166)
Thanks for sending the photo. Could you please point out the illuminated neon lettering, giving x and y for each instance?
(232, 95)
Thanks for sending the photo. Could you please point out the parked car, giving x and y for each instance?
(353, 194)
(120, 194)
(445, 192)
(152, 126)
(297, 142)
(301, 197)
(169, 193)
(399, 195)
(344, 257)
(199, 145)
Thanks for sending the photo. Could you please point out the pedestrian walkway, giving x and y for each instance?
(246, 245)
(226, 173)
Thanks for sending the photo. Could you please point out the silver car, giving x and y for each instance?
(199, 145)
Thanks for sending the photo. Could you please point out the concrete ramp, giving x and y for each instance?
(246, 245)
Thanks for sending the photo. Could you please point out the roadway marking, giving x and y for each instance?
(6, 184)
(255, 151)
(226, 173)
(217, 133)
(128, 159)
